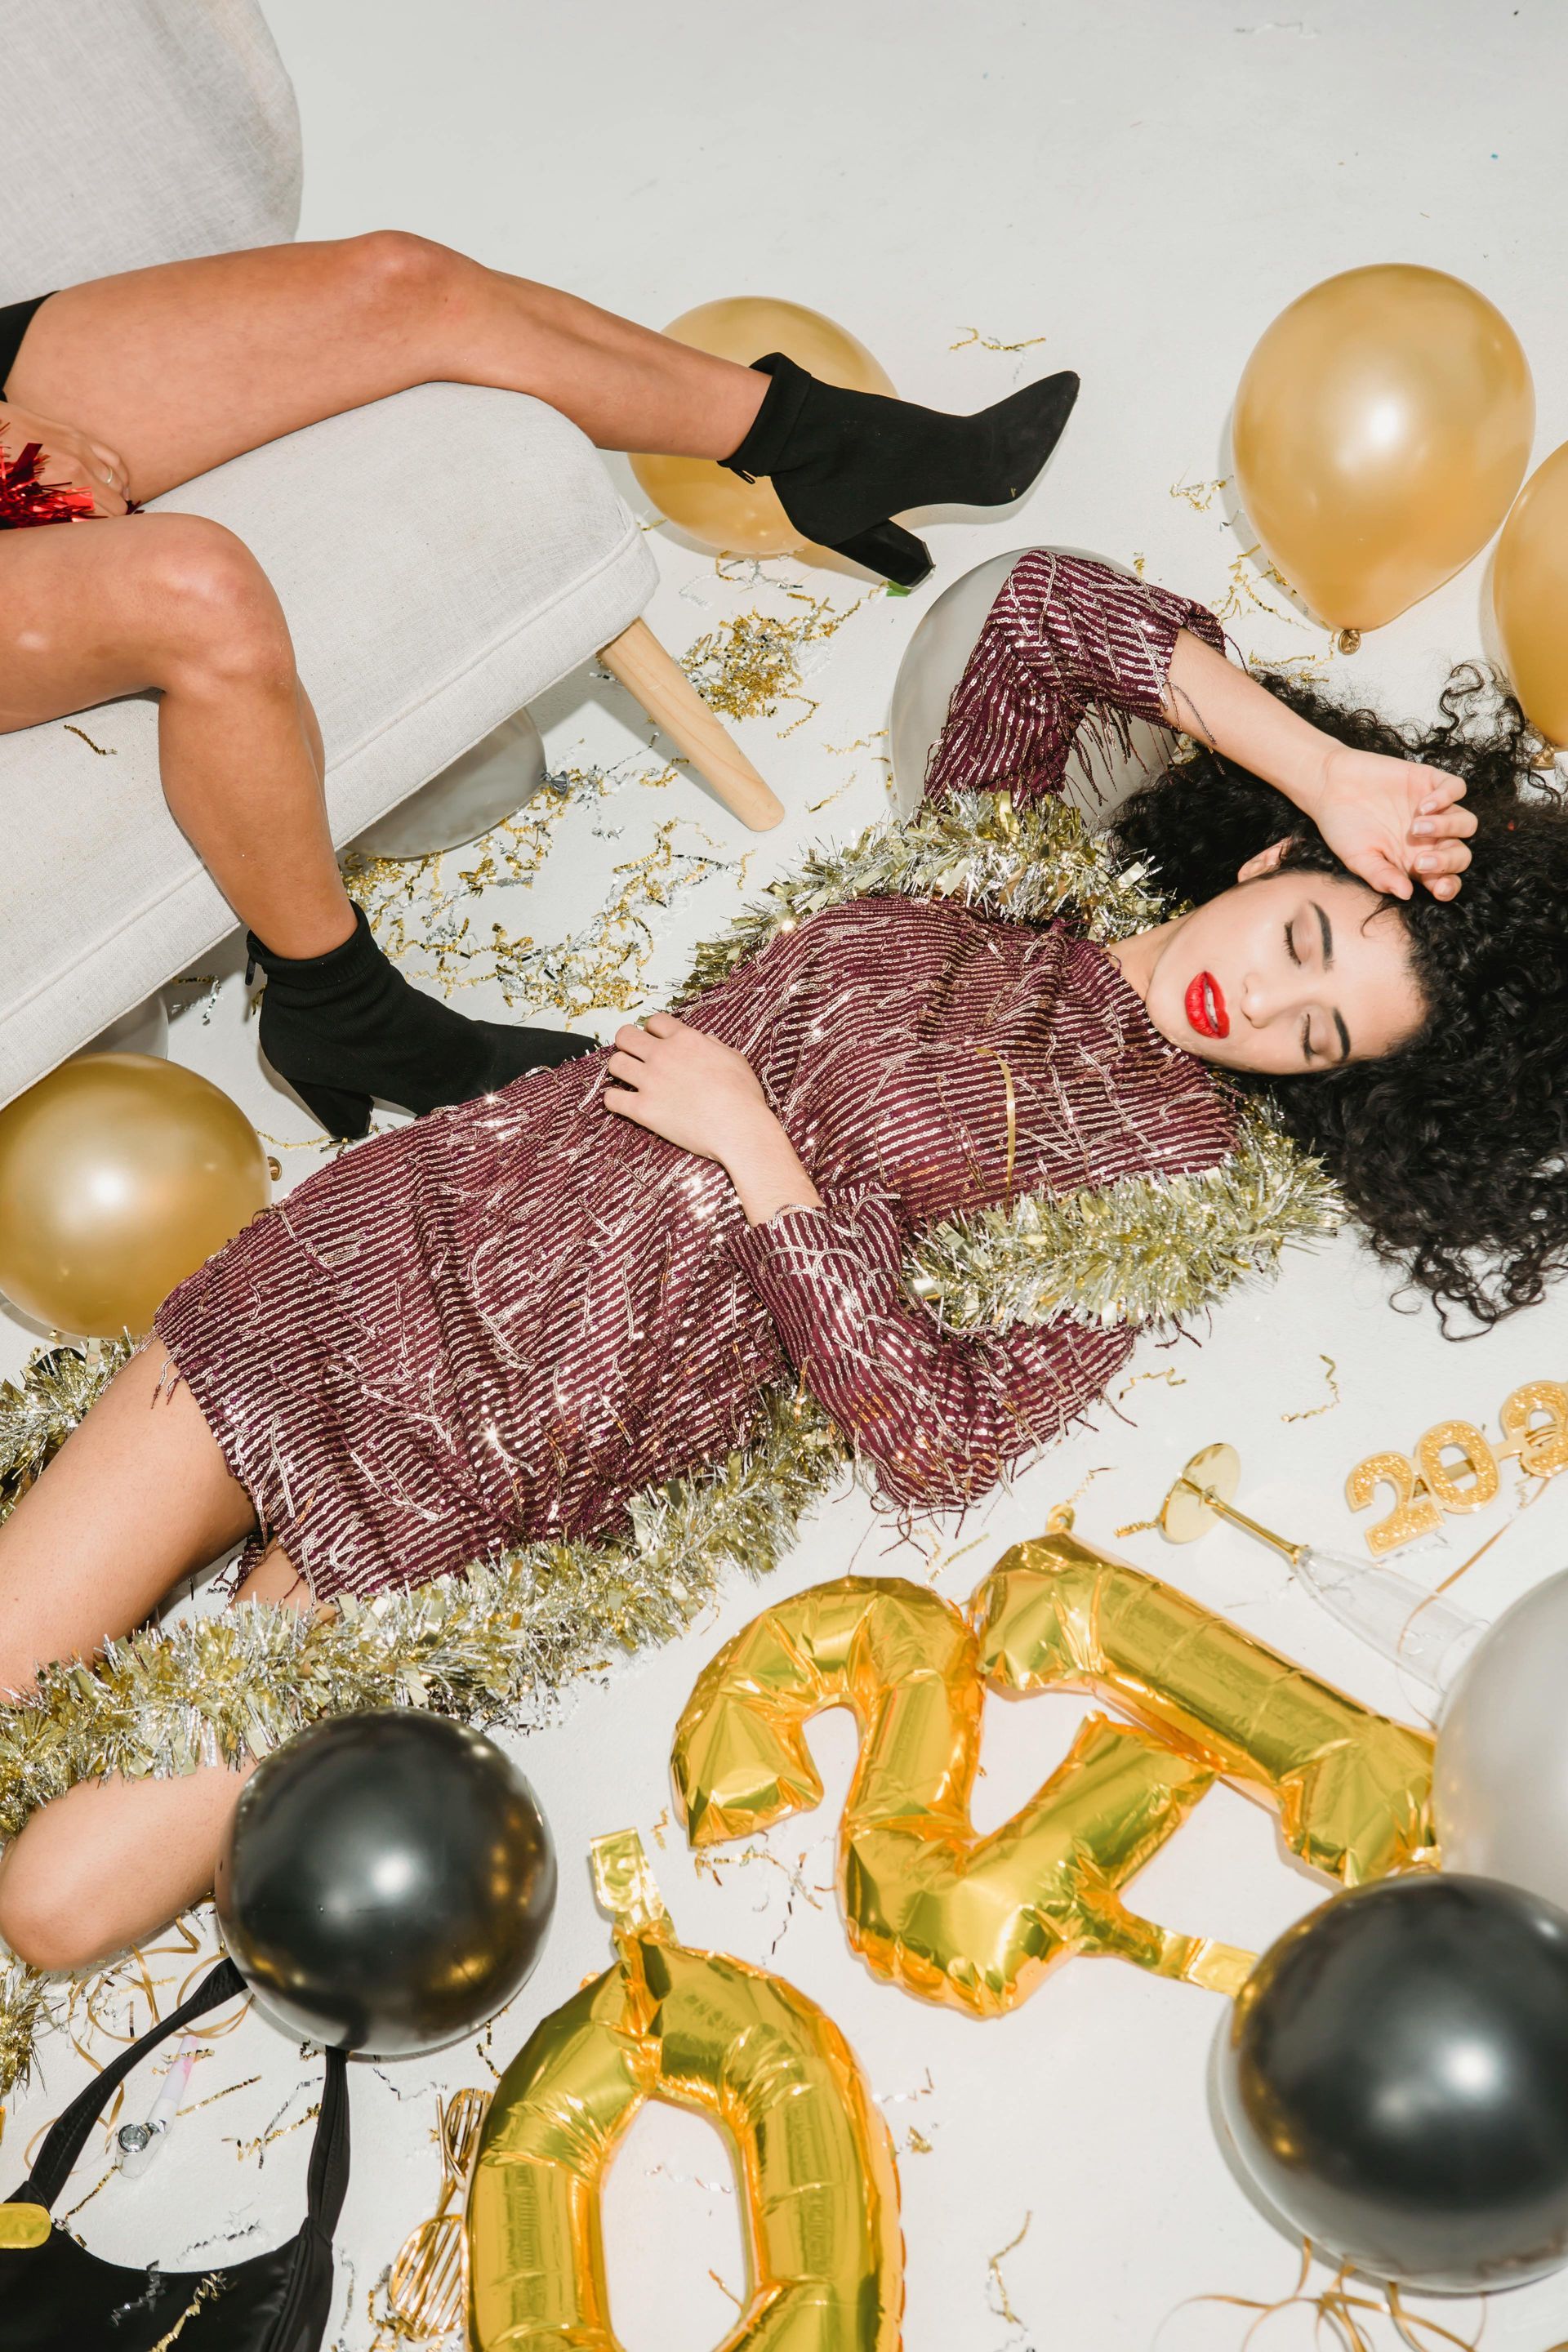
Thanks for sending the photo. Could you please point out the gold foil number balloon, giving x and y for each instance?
(697, 493)
(1353, 1788)
(1529, 597)
(119, 1174)
(970, 1921)
(818, 2182)
(1383, 425)
(976, 1922)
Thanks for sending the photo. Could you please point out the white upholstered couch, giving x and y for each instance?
(424, 611)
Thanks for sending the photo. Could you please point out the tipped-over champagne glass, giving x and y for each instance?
(1499, 1791)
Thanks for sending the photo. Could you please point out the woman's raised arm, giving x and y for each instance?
(1066, 638)
(1387, 819)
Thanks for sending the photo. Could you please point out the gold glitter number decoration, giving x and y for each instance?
(973, 1922)
(819, 2189)
(1543, 1450)
(1442, 1479)
(1412, 1515)
(976, 1922)
(1424, 1489)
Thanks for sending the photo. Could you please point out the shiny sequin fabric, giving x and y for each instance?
(501, 1322)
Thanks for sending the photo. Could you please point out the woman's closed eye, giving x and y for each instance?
(1313, 1053)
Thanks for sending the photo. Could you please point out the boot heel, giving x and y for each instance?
(891, 550)
(342, 1114)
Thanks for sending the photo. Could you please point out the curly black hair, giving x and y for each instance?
(1451, 1150)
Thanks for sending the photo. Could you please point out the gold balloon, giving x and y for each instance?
(119, 1174)
(1529, 597)
(717, 508)
(1382, 424)
(1353, 1788)
(819, 2187)
(973, 1922)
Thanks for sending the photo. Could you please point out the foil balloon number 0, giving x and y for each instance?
(745, 2049)
(976, 1922)
(1534, 1433)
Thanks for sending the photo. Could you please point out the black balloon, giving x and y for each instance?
(1394, 2076)
(387, 1884)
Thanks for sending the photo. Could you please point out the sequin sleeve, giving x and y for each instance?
(941, 1416)
(1067, 641)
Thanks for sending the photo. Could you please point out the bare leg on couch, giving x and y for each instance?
(137, 1498)
(179, 367)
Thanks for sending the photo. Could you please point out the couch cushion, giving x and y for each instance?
(442, 558)
(141, 131)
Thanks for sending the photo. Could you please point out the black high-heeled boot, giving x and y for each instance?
(344, 1026)
(843, 462)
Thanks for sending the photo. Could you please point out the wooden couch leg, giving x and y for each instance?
(673, 703)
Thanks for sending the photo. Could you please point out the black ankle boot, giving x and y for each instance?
(843, 462)
(344, 1026)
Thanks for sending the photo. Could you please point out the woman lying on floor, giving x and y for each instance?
(502, 1322)
(136, 383)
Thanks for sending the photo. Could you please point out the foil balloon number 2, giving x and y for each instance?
(976, 1922)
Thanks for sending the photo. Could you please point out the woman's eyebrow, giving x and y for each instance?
(1324, 927)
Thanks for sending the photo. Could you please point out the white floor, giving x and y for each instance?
(982, 193)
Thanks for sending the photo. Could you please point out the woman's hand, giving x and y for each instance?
(68, 459)
(703, 1095)
(1393, 822)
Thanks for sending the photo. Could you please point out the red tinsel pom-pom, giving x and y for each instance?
(25, 500)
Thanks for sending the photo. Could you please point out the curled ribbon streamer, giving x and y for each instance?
(1353, 1788)
(819, 2187)
(974, 1922)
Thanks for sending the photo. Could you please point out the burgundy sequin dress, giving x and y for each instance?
(500, 1322)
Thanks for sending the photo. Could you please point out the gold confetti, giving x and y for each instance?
(915, 2143)
(420, 908)
(1244, 590)
(972, 338)
(1199, 496)
(1311, 1411)
(1137, 1528)
(103, 752)
(1169, 1374)
(745, 669)
(1342, 2311)
(1002, 2305)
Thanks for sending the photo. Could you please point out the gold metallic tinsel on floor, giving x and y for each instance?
(38, 1412)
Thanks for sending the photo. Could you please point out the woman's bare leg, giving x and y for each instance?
(112, 1861)
(179, 367)
(137, 1499)
(92, 609)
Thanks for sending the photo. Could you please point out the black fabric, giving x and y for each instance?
(843, 463)
(346, 1026)
(15, 318)
(58, 2294)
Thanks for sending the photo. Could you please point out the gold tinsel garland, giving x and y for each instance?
(1143, 1250)
(24, 2012)
(1025, 864)
(38, 1413)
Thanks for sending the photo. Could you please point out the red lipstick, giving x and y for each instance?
(1205, 1006)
